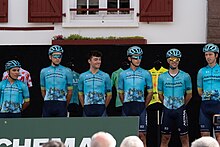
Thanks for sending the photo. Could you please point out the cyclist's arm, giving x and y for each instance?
(108, 90)
(69, 76)
(26, 96)
(81, 98)
(200, 91)
(42, 84)
(120, 89)
(81, 90)
(188, 97)
(121, 96)
(200, 82)
(25, 105)
(108, 99)
(188, 84)
(148, 97)
(160, 88)
(161, 97)
(69, 95)
(43, 92)
(149, 88)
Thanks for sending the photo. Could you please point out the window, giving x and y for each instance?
(4, 11)
(87, 4)
(101, 13)
(118, 4)
(40, 11)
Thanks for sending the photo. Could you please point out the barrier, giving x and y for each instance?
(74, 132)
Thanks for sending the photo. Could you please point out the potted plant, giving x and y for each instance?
(76, 39)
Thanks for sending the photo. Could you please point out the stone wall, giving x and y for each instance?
(213, 34)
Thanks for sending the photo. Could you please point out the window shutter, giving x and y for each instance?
(3, 10)
(44, 10)
(156, 10)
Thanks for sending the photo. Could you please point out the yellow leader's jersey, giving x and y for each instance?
(155, 74)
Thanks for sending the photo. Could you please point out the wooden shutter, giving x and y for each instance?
(3, 10)
(156, 10)
(44, 10)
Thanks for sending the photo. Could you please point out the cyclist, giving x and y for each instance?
(131, 86)
(175, 91)
(14, 95)
(73, 107)
(114, 79)
(208, 84)
(56, 85)
(94, 87)
(24, 76)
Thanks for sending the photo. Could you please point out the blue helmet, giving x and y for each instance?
(173, 53)
(210, 47)
(134, 50)
(11, 64)
(55, 48)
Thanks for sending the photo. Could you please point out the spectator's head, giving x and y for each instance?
(103, 139)
(132, 141)
(53, 144)
(205, 141)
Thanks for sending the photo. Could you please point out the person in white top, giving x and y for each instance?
(24, 76)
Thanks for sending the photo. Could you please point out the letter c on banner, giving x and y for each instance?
(5, 141)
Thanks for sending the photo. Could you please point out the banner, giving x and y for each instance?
(74, 132)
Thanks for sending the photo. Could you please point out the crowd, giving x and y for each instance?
(65, 90)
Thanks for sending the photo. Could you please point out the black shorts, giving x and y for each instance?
(136, 109)
(174, 118)
(94, 110)
(54, 109)
(207, 110)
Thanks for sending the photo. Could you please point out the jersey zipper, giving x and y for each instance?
(54, 80)
(172, 89)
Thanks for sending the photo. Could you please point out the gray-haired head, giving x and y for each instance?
(205, 141)
(103, 139)
(132, 141)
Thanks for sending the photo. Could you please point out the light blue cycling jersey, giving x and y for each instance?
(13, 96)
(133, 83)
(174, 88)
(75, 98)
(208, 80)
(56, 80)
(94, 87)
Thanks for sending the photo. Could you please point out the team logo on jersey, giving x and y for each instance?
(11, 107)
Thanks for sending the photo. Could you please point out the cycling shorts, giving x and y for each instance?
(136, 109)
(174, 119)
(207, 111)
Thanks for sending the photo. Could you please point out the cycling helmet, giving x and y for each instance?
(173, 53)
(210, 47)
(55, 48)
(11, 64)
(134, 50)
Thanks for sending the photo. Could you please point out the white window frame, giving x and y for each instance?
(101, 19)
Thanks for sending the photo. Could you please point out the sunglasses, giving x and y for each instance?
(174, 59)
(136, 57)
(57, 56)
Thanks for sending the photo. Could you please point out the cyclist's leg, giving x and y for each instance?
(185, 140)
(143, 127)
(182, 123)
(205, 120)
(166, 128)
(216, 117)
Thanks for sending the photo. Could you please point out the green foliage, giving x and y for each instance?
(79, 37)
